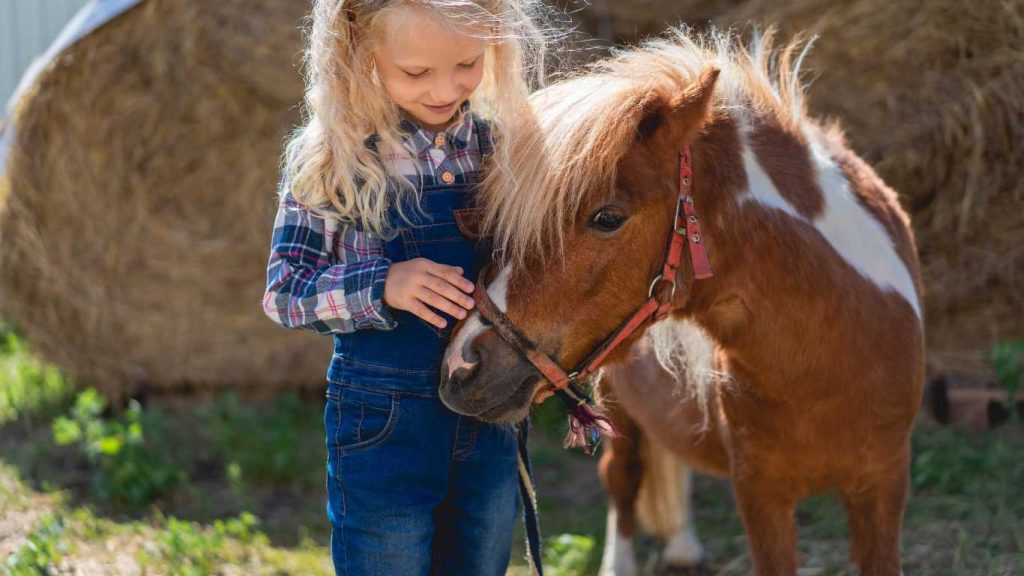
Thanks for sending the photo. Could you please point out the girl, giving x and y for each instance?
(367, 247)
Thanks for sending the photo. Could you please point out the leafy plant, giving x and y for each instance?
(28, 387)
(128, 473)
(38, 557)
(189, 549)
(1006, 358)
(567, 554)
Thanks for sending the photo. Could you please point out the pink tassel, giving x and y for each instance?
(586, 428)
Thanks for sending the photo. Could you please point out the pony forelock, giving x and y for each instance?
(564, 152)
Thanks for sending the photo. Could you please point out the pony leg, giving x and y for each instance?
(683, 549)
(621, 471)
(875, 515)
(768, 511)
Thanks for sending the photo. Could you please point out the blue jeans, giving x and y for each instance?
(415, 489)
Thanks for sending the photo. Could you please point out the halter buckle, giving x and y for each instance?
(654, 283)
(576, 378)
(675, 219)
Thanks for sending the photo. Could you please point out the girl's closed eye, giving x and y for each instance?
(471, 64)
(416, 74)
(423, 72)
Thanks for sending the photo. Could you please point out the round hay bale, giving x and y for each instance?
(932, 95)
(142, 182)
(629, 20)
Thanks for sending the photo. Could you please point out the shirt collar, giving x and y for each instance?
(419, 139)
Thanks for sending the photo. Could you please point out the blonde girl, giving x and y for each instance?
(405, 102)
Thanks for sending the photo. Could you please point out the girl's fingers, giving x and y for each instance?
(543, 394)
(419, 309)
(451, 293)
(453, 275)
(439, 302)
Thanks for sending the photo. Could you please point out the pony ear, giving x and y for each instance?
(683, 116)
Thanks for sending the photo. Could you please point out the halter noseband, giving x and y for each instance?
(685, 230)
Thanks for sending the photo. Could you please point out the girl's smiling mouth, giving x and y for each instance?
(441, 109)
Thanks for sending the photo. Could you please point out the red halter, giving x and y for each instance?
(685, 230)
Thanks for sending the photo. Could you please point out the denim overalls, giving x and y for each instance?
(413, 488)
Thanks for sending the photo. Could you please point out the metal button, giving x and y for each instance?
(439, 140)
(447, 177)
(695, 238)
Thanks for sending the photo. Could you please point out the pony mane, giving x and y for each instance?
(566, 152)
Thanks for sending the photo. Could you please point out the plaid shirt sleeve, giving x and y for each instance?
(313, 286)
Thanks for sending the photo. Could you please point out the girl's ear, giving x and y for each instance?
(675, 121)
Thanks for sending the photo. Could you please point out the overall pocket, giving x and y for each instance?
(358, 419)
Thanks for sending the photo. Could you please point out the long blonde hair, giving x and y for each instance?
(328, 166)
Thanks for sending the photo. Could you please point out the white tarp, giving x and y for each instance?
(93, 15)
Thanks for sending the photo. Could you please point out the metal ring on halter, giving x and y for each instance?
(659, 278)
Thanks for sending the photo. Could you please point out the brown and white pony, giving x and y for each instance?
(805, 373)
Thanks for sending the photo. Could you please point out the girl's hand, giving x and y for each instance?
(418, 284)
(543, 392)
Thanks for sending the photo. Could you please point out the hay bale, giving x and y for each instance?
(628, 20)
(932, 95)
(141, 198)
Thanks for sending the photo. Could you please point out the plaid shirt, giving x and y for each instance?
(327, 275)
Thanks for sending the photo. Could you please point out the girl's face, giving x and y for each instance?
(426, 69)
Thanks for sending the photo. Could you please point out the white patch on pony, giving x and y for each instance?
(687, 352)
(683, 549)
(857, 235)
(498, 291)
(849, 228)
(762, 189)
(618, 558)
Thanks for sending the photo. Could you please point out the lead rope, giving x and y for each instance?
(531, 521)
(585, 430)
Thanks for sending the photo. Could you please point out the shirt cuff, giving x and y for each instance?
(384, 319)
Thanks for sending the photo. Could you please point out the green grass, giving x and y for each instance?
(249, 500)
(44, 549)
(29, 389)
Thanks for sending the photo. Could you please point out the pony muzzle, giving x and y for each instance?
(490, 380)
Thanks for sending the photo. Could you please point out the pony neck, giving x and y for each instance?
(765, 301)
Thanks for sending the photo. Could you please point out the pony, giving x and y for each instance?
(790, 361)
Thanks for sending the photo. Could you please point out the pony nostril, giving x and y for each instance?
(460, 382)
(470, 353)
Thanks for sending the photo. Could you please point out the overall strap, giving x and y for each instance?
(482, 131)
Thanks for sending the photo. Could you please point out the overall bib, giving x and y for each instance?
(414, 488)
(408, 357)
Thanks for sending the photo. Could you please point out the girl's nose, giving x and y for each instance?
(444, 91)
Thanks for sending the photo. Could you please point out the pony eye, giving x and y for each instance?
(608, 219)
